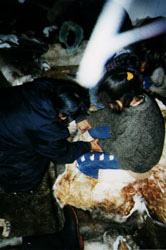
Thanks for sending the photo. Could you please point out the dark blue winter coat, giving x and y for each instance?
(31, 135)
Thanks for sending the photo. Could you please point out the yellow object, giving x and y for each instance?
(129, 76)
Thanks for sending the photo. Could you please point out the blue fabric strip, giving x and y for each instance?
(90, 163)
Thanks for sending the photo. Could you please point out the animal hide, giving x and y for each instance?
(114, 195)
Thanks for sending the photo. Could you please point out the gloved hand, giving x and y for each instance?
(100, 132)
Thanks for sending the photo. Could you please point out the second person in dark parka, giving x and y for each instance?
(34, 120)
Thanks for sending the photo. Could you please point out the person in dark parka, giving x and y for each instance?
(34, 121)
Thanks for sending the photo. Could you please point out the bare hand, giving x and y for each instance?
(95, 147)
(83, 126)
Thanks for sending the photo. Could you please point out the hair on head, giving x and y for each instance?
(117, 86)
(69, 98)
